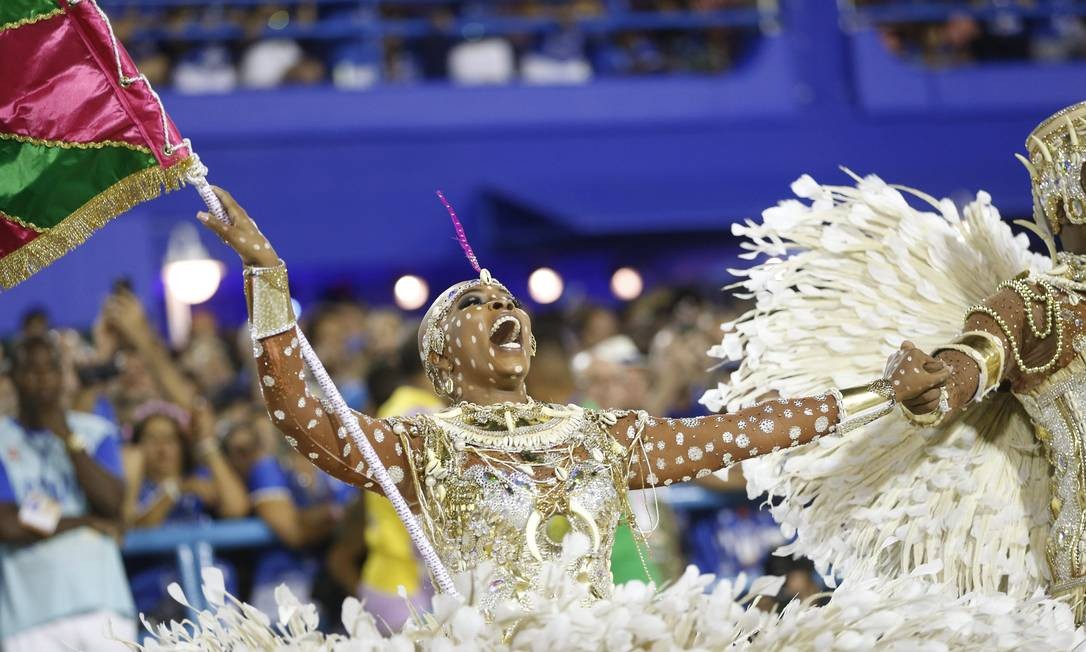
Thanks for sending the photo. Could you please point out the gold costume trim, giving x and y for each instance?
(64, 144)
(859, 406)
(32, 19)
(271, 310)
(74, 230)
(987, 352)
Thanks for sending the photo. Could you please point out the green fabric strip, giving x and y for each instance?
(18, 11)
(43, 185)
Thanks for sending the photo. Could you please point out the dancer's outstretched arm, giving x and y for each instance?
(300, 416)
(677, 450)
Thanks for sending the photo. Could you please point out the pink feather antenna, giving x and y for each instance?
(461, 237)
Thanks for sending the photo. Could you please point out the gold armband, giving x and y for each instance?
(987, 352)
(271, 311)
(859, 406)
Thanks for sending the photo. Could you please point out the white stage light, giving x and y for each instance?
(411, 292)
(626, 283)
(189, 273)
(545, 285)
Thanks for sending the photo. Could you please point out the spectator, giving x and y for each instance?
(299, 503)
(164, 477)
(62, 582)
(612, 375)
(35, 322)
(484, 61)
(9, 403)
(208, 69)
(800, 581)
(206, 358)
(561, 56)
(433, 48)
(390, 562)
(165, 485)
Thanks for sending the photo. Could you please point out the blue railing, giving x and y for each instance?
(193, 547)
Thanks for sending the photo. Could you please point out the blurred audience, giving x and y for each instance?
(220, 47)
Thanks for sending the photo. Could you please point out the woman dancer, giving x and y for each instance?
(499, 477)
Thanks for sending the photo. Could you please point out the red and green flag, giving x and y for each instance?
(83, 137)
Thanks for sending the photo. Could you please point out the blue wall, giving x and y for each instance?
(582, 178)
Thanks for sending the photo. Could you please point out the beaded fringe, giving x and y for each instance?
(75, 229)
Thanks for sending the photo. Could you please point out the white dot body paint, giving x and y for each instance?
(473, 340)
(518, 369)
(492, 354)
(490, 366)
(467, 315)
(472, 363)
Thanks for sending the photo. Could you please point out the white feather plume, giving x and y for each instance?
(695, 613)
(841, 280)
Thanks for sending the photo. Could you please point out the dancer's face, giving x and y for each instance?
(487, 345)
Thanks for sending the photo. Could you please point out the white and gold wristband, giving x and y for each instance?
(271, 309)
(859, 406)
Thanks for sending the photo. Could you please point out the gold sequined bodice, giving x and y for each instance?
(511, 495)
(1057, 407)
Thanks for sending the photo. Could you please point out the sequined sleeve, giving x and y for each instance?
(663, 451)
(308, 426)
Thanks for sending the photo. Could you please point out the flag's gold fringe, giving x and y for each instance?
(74, 230)
(30, 20)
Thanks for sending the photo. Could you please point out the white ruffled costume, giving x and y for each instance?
(909, 613)
(848, 275)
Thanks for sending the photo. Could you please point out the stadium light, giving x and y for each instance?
(545, 285)
(626, 283)
(410, 292)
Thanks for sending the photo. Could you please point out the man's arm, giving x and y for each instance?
(13, 531)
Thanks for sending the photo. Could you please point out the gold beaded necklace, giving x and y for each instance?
(1052, 320)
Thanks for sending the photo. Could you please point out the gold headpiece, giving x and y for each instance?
(1057, 151)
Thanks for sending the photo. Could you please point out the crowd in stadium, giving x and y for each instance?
(220, 47)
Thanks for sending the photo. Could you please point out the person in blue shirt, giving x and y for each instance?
(176, 474)
(62, 582)
(299, 503)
